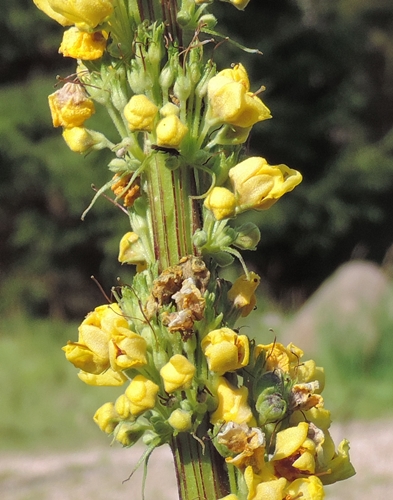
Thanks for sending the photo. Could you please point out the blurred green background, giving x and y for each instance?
(328, 72)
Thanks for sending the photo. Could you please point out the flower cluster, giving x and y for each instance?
(179, 170)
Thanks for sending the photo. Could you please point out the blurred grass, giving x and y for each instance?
(43, 403)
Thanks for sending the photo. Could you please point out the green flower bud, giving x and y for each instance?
(209, 21)
(200, 238)
(183, 17)
(248, 236)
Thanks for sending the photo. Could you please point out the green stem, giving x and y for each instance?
(200, 470)
(173, 211)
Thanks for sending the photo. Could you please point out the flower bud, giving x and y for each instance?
(83, 45)
(221, 202)
(106, 418)
(180, 420)
(140, 113)
(81, 139)
(225, 350)
(109, 378)
(259, 185)
(122, 406)
(70, 106)
(142, 394)
(170, 132)
(177, 374)
(131, 250)
(248, 236)
(232, 404)
(128, 433)
(169, 109)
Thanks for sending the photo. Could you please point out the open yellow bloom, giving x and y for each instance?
(277, 356)
(142, 394)
(259, 185)
(45, 6)
(225, 350)
(85, 14)
(177, 374)
(70, 106)
(221, 202)
(83, 45)
(306, 488)
(264, 486)
(140, 113)
(170, 132)
(91, 352)
(232, 404)
(295, 452)
(127, 350)
(242, 293)
(231, 102)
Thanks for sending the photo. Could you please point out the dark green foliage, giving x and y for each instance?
(328, 71)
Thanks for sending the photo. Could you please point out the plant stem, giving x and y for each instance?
(174, 213)
(200, 470)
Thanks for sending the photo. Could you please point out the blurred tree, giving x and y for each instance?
(328, 71)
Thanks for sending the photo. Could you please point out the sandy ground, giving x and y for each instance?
(98, 474)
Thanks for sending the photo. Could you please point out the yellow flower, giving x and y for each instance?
(180, 420)
(142, 394)
(91, 352)
(231, 496)
(239, 4)
(225, 350)
(85, 14)
(106, 418)
(122, 406)
(259, 185)
(221, 202)
(242, 293)
(335, 465)
(170, 132)
(70, 106)
(131, 251)
(295, 447)
(306, 488)
(264, 486)
(140, 113)
(126, 350)
(78, 139)
(83, 45)
(231, 102)
(232, 404)
(177, 374)
(286, 359)
(108, 378)
(44, 5)
(248, 443)
(128, 433)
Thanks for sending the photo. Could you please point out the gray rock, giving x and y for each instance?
(343, 313)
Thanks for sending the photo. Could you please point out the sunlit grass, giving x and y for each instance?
(43, 403)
